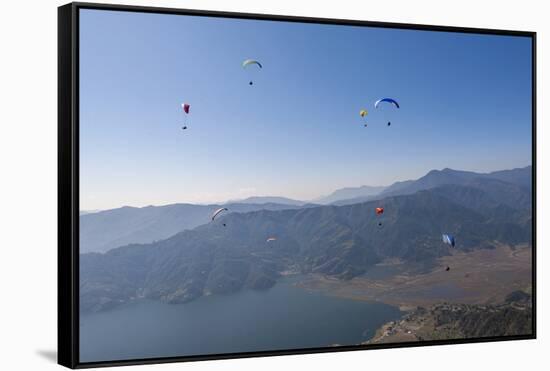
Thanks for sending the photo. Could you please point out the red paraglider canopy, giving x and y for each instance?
(379, 210)
(186, 107)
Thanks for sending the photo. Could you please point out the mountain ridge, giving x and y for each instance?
(518, 176)
(268, 199)
(337, 241)
(349, 193)
(104, 230)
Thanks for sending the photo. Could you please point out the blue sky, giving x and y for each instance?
(465, 104)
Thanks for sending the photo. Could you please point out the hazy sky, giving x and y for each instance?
(465, 104)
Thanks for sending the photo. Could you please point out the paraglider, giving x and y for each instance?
(186, 107)
(218, 212)
(387, 100)
(250, 63)
(271, 239)
(449, 240)
(363, 113)
(379, 211)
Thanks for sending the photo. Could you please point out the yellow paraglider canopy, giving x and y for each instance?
(363, 113)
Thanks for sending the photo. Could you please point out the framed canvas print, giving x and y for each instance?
(236, 185)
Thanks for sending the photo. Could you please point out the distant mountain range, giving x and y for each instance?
(105, 230)
(349, 193)
(520, 177)
(270, 200)
(84, 212)
(338, 241)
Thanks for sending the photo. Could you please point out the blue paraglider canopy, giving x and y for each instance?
(449, 240)
(388, 100)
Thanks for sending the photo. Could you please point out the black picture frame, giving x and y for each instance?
(68, 180)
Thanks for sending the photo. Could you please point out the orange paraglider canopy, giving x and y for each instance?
(379, 210)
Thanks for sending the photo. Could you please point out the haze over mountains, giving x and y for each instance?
(349, 193)
(482, 211)
(520, 177)
(269, 200)
(104, 230)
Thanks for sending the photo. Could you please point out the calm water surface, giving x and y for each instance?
(283, 317)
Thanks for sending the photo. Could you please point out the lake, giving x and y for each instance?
(283, 317)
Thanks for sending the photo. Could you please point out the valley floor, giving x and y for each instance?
(479, 277)
(476, 297)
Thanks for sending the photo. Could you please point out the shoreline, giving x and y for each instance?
(478, 277)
